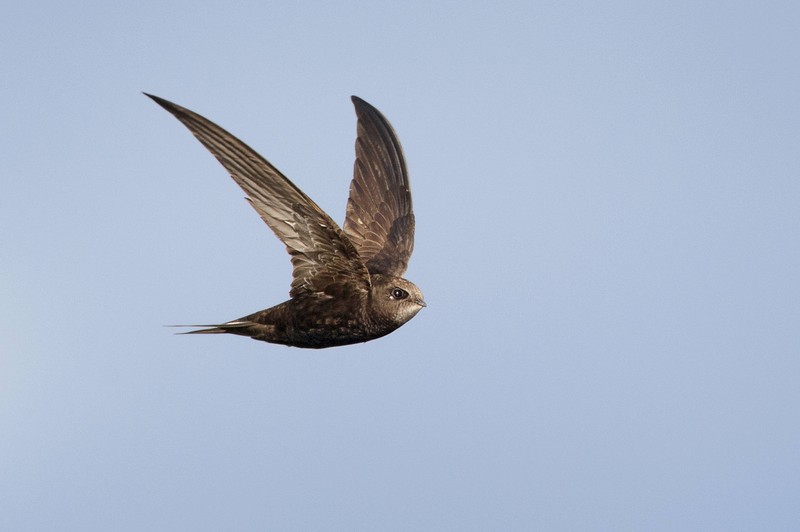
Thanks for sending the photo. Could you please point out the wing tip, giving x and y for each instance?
(361, 104)
(172, 108)
(155, 98)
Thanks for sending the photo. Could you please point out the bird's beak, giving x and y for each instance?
(421, 303)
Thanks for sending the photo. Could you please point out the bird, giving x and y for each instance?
(347, 282)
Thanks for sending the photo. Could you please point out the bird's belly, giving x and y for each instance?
(330, 333)
(314, 325)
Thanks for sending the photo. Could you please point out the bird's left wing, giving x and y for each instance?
(324, 259)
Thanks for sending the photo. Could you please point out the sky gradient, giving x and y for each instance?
(607, 216)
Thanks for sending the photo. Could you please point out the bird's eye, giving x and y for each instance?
(399, 293)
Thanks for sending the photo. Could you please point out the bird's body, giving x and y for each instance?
(347, 285)
(317, 321)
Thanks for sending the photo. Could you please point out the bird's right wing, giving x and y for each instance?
(380, 218)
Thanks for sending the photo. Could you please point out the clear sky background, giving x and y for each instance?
(607, 204)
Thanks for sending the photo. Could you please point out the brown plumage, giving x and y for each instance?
(347, 285)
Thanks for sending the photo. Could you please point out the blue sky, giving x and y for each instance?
(607, 238)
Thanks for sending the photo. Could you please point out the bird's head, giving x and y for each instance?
(395, 300)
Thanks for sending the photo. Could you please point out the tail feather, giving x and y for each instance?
(212, 330)
(229, 327)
